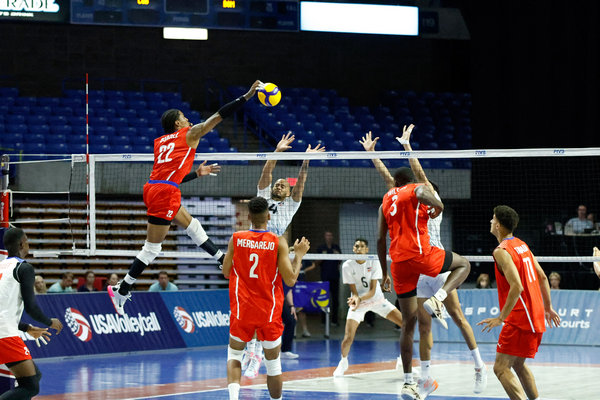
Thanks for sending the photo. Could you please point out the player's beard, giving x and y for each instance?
(277, 197)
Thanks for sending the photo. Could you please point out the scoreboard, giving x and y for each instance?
(270, 15)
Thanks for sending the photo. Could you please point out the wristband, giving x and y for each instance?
(402, 141)
(228, 109)
(189, 177)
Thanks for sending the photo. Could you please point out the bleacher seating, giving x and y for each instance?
(121, 225)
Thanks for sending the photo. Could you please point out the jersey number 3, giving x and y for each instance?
(166, 151)
(254, 259)
(394, 207)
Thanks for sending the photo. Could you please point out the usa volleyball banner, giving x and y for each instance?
(201, 317)
(91, 325)
(579, 311)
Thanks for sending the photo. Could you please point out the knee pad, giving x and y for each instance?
(273, 366)
(31, 384)
(149, 252)
(233, 354)
(196, 232)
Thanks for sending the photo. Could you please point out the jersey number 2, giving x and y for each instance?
(254, 259)
(168, 149)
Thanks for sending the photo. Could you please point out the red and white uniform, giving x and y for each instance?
(173, 159)
(522, 333)
(12, 347)
(410, 250)
(255, 287)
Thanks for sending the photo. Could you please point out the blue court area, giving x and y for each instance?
(562, 372)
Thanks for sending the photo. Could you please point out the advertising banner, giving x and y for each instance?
(579, 311)
(313, 297)
(36, 10)
(91, 325)
(201, 317)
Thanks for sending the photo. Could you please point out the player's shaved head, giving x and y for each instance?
(12, 240)
(258, 207)
(403, 176)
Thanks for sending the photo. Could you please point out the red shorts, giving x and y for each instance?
(518, 342)
(406, 273)
(162, 200)
(13, 349)
(244, 330)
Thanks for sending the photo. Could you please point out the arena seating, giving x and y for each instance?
(121, 225)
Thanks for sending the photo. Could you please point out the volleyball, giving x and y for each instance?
(319, 298)
(269, 95)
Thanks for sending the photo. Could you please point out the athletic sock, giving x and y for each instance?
(408, 378)
(441, 295)
(425, 366)
(234, 391)
(251, 345)
(477, 358)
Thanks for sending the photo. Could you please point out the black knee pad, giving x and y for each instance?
(30, 384)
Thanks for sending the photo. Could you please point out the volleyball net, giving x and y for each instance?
(97, 208)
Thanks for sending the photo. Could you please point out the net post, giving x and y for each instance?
(4, 202)
(92, 204)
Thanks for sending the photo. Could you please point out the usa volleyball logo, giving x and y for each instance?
(184, 319)
(78, 324)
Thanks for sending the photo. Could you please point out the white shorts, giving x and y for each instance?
(382, 307)
(429, 285)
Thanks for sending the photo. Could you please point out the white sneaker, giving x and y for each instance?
(118, 300)
(341, 368)
(253, 367)
(480, 379)
(435, 308)
(246, 357)
(410, 392)
(288, 355)
(426, 386)
(399, 363)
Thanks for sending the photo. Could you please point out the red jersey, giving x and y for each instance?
(255, 288)
(528, 313)
(173, 158)
(406, 218)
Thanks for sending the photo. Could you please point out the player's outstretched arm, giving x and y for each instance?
(266, 177)
(382, 250)
(202, 170)
(552, 316)
(228, 260)
(303, 174)
(415, 165)
(290, 270)
(201, 129)
(368, 144)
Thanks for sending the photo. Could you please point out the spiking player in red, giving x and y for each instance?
(524, 296)
(173, 158)
(253, 263)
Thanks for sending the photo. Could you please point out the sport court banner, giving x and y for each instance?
(91, 325)
(313, 297)
(579, 311)
(201, 317)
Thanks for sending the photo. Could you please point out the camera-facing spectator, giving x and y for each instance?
(39, 285)
(483, 281)
(88, 284)
(163, 283)
(65, 285)
(554, 279)
(580, 223)
(112, 280)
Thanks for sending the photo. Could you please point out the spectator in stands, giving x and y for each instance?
(483, 281)
(163, 283)
(307, 265)
(88, 284)
(111, 281)
(580, 223)
(64, 285)
(289, 317)
(39, 285)
(554, 279)
(330, 272)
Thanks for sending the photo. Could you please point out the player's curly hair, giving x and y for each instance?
(507, 217)
(258, 205)
(168, 120)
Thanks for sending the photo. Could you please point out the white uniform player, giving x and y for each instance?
(282, 211)
(363, 278)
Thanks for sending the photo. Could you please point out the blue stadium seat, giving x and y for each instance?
(35, 120)
(132, 96)
(98, 122)
(15, 128)
(152, 132)
(77, 139)
(71, 102)
(130, 131)
(43, 130)
(48, 101)
(9, 92)
(19, 110)
(119, 140)
(119, 122)
(138, 105)
(361, 163)
(34, 147)
(113, 94)
(143, 149)
(337, 145)
(95, 102)
(153, 96)
(116, 104)
(104, 112)
(139, 122)
(42, 111)
(319, 163)
(63, 110)
(26, 101)
(99, 139)
(222, 145)
(102, 148)
(60, 130)
(121, 148)
(76, 148)
(57, 148)
(10, 136)
(126, 113)
(355, 146)
(159, 106)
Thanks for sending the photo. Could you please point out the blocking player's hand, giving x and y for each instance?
(368, 143)
(405, 139)
(386, 285)
(490, 323)
(318, 149)
(301, 246)
(255, 86)
(284, 143)
(41, 335)
(56, 324)
(552, 317)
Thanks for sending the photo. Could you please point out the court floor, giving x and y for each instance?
(562, 372)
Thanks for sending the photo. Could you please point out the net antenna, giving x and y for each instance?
(4, 202)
